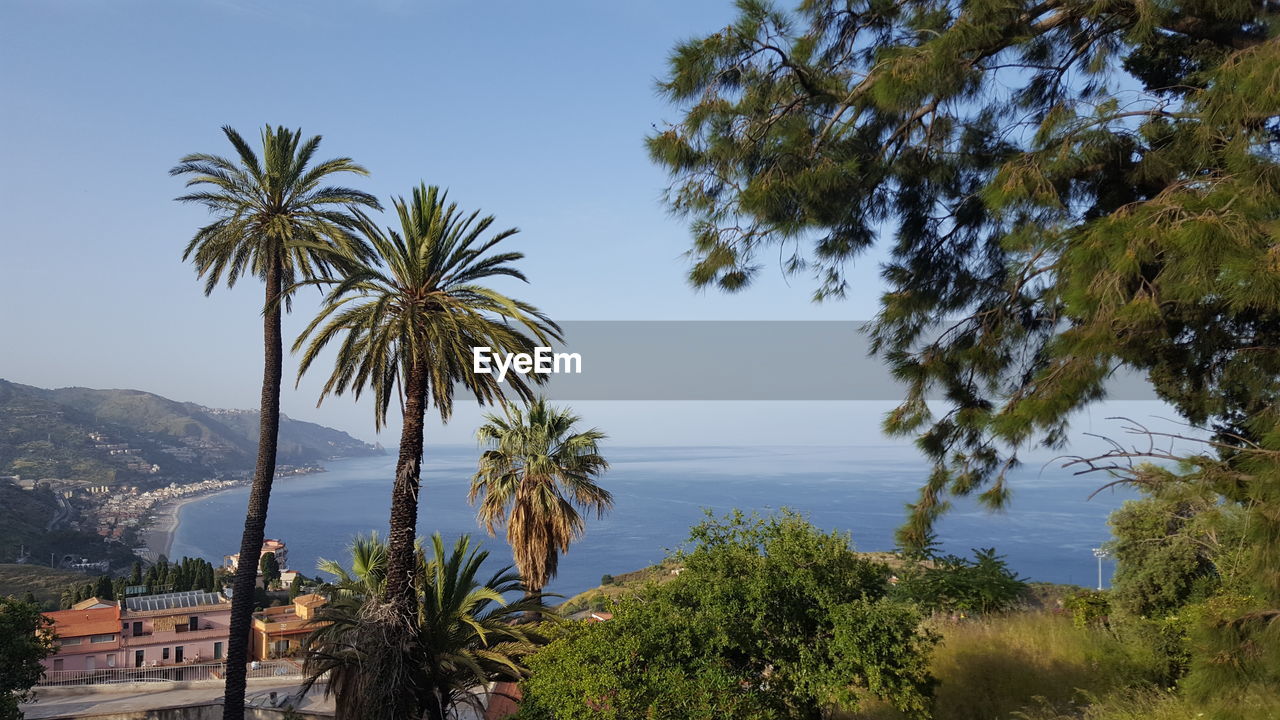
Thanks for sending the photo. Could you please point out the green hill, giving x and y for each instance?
(110, 436)
(46, 584)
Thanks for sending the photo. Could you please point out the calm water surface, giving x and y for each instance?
(659, 492)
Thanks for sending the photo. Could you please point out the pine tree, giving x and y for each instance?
(1058, 189)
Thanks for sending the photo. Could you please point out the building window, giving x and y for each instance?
(64, 642)
(111, 661)
(193, 622)
(137, 628)
(57, 663)
(217, 651)
(164, 654)
(102, 638)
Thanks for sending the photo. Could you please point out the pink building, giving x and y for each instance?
(88, 638)
(175, 628)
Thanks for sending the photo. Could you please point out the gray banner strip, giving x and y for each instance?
(745, 360)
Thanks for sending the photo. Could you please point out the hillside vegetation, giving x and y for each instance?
(47, 433)
(45, 584)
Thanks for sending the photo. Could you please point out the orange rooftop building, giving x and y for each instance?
(88, 638)
(280, 631)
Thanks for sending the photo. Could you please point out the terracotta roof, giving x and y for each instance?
(79, 623)
(504, 701)
(309, 600)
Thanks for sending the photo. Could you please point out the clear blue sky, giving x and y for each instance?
(535, 112)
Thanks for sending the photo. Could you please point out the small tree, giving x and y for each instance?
(295, 587)
(955, 584)
(270, 570)
(26, 638)
(104, 590)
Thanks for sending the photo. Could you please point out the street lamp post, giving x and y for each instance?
(1100, 553)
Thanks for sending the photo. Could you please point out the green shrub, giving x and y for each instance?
(770, 619)
(1088, 607)
(606, 579)
(954, 584)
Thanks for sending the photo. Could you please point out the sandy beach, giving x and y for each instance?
(157, 538)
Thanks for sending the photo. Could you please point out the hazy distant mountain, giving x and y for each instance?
(119, 435)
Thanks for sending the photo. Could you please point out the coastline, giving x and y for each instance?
(157, 537)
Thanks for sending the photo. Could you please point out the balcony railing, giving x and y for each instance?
(165, 673)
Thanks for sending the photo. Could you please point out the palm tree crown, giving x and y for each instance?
(534, 477)
(419, 305)
(276, 211)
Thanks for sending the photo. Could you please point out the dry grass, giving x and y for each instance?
(1036, 662)
(1039, 666)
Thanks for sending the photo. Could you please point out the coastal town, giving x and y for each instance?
(173, 629)
(138, 513)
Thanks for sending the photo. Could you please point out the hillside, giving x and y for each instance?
(46, 584)
(110, 436)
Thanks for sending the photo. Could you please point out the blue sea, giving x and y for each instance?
(659, 492)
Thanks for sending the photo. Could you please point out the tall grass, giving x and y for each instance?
(996, 667)
(1161, 704)
(1040, 666)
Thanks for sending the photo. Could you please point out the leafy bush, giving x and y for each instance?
(770, 619)
(954, 584)
(1088, 607)
(606, 579)
(1162, 548)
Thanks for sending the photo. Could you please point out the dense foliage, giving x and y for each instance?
(161, 577)
(950, 583)
(770, 618)
(270, 569)
(1167, 548)
(1059, 189)
(25, 639)
(462, 636)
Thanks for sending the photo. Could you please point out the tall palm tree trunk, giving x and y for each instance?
(255, 521)
(404, 494)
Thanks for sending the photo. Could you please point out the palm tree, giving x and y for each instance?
(533, 478)
(275, 218)
(368, 574)
(461, 638)
(409, 322)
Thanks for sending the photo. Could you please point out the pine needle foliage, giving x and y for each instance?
(1060, 188)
